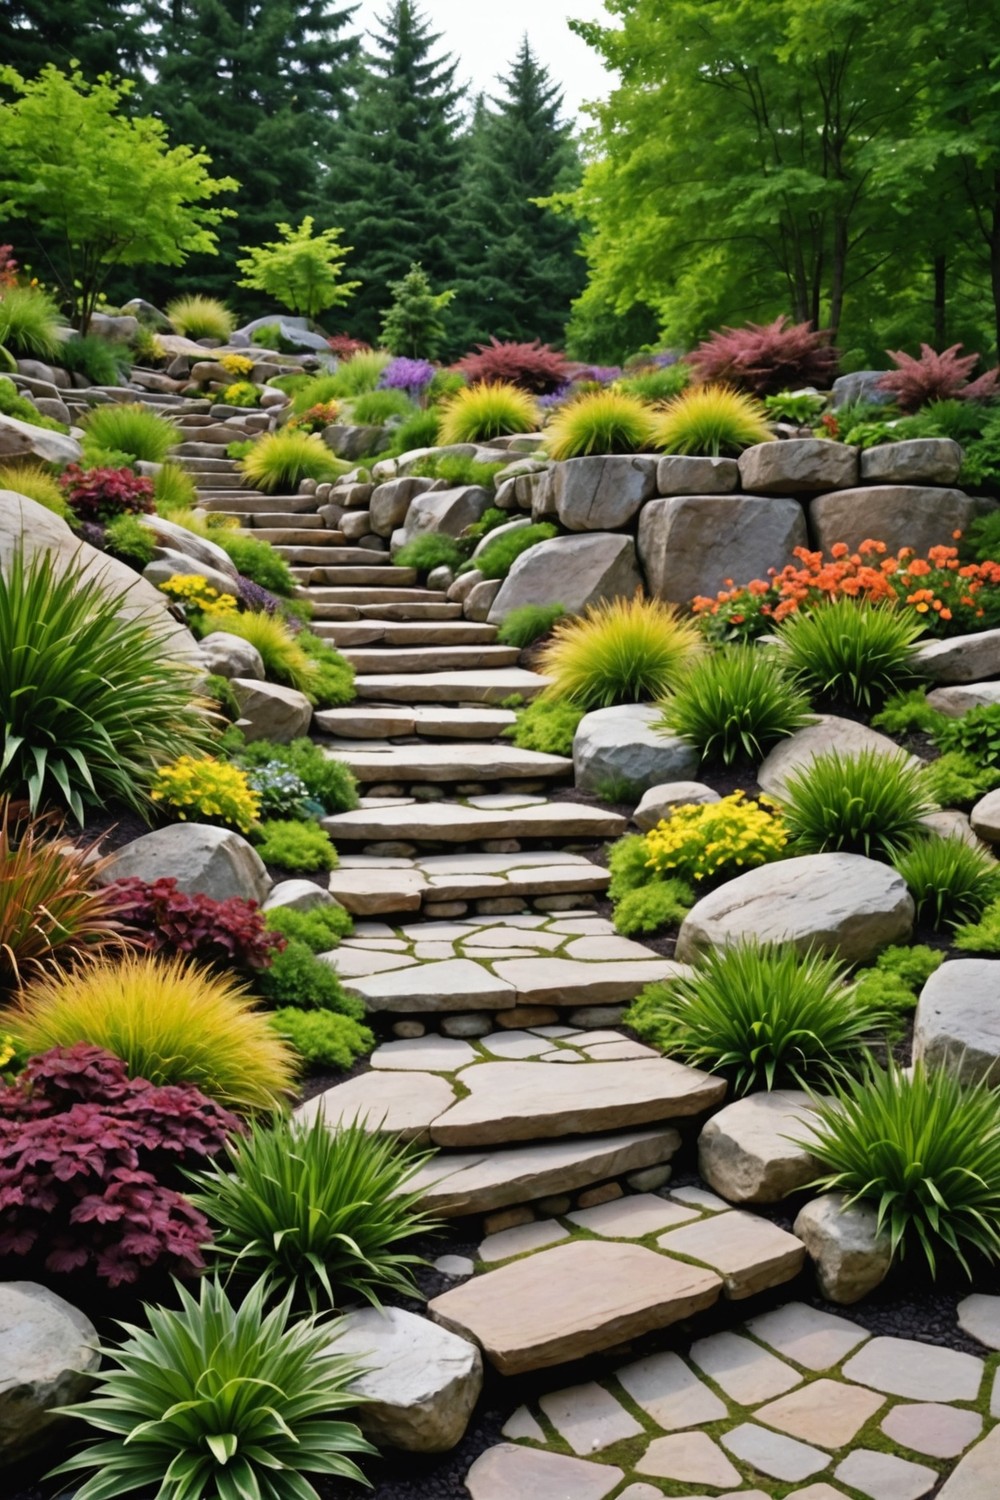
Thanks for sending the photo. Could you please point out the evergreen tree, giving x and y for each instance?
(412, 324)
(395, 182)
(259, 83)
(100, 35)
(523, 269)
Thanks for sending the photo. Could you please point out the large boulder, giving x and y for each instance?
(227, 655)
(962, 658)
(690, 545)
(959, 700)
(842, 904)
(292, 330)
(448, 512)
(421, 1381)
(169, 564)
(498, 531)
(389, 502)
(957, 1024)
(829, 733)
(860, 385)
(599, 494)
(202, 859)
(918, 461)
(355, 442)
(24, 440)
(680, 474)
(850, 1254)
(901, 515)
(271, 712)
(178, 539)
(47, 1354)
(747, 1152)
(573, 571)
(621, 743)
(800, 466)
(984, 819)
(25, 523)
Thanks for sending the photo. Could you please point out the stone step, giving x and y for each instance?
(281, 520)
(378, 604)
(370, 722)
(211, 443)
(337, 557)
(433, 659)
(408, 633)
(216, 481)
(285, 539)
(356, 577)
(374, 762)
(251, 502)
(196, 466)
(374, 885)
(451, 687)
(469, 822)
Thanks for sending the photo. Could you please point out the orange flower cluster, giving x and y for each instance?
(952, 595)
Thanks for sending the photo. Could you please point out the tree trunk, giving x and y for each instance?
(838, 272)
(940, 301)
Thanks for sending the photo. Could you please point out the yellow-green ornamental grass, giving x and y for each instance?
(619, 651)
(601, 422)
(712, 421)
(485, 411)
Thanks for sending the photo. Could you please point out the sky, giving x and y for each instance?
(485, 34)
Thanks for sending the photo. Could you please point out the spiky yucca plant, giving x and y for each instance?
(481, 412)
(198, 317)
(619, 651)
(711, 421)
(600, 422)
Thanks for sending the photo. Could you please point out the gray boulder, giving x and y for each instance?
(447, 512)
(985, 818)
(799, 466)
(47, 1356)
(355, 442)
(678, 474)
(842, 904)
(227, 655)
(51, 406)
(599, 493)
(901, 515)
(293, 330)
(201, 858)
(963, 658)
(168, 564)
(860, 385)
(747, 1152)
(389, 502)
(659, 801)
(271, 712)
(24, 440)
(850, 1254)
(573, 571)
(690, 544)
(297, 895)
(958, 700)
(622, 743)
(829, 733)
(480, 599)
(517, 525)
(957, 1023)
(176, 538)
(917, 461)
(146, 312)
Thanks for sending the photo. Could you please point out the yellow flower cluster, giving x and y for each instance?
(194, 591)
(716, 840)
(236, 364)
(207, 790)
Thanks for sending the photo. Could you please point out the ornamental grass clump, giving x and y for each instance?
(600, 422)
(320, 1213)
(923, 1149)
(29, 323)
(220, 1401)
(951, 881)
(870, 802)
(481, 412)
(708, 842)
(763, 1014)
(618, 651)
(129, 427)
(281, 460)
(712, 421)
(735, 704)
(173, 490)
(35, 483)
(850, 652)
(197, 317)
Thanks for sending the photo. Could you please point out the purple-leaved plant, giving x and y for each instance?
(412, 376)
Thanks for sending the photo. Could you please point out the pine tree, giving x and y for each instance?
(395, 182)
(100, 35)
(260, 84)
(523, 270)
(412, 324)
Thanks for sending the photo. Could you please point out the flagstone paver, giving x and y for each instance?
(588, 1417)
(521, 1239)
(401, 1104)
(774, 1454)
(670, 1392)
(827, 1412)
(812, 1338)
(749, 1253)
(979, 1316)
(928, 1427)
(975, 1476)
(744, 1371)
(508, 1472)
(689, 1458)
(883, 1476)
(923, 1372)
(632, 1218)
(521, 1424)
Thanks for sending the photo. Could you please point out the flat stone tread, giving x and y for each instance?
(461, 762)
(434, 658)
(367, 632)
(337, 557)
(456, 822)
(444, 722)
(354, 576)
(380, 598)
(458, 685)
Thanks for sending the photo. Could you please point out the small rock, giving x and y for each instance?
(554, 1206)
(479, 600)
(648, 1179)
(455, 1265)
(466, 1025)
(409, 1030)
(659, 801)
(985, 818)
(507, 1218)
(440, 578)
(851, 1256)
(230, 656)
(745, 1152)
(297, 895)
(527, 1015)
(961, 658)
(979, 1317)
(621, 743)
(442, 910)
(607, 1192)
(47, 1354)
(957, 1022)
(587, 1016)
(271, 712)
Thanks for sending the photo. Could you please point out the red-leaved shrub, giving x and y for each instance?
(534, 367)
(231, 934)
(102, 494)
(936, 377)
(88, 1159)
(766, 358)
(344, 346)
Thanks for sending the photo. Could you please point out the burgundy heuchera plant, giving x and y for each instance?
(232, 933)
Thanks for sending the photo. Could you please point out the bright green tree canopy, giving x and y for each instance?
(301, 270)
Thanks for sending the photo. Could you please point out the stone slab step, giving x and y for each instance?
(376, 721)
(452, 986)
(195, 466)
(458, 762)
(251, 502)
(379, 599)
(369, 885)
(463, 823)
(280, 520)
(356, 577)
(309, 556)
(287, 539)
(216, 480)
(410, 633)
(430, 658)
(456, 686)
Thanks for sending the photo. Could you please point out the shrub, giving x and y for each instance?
(429, 551)
(34, 482)
(869, 803)
(358, 374)
(893, 981)
(127, 538)
(976, 734)
(129, 427)
(600, 422)
(418, 431)
(281, 460)
(534, 367)
(481, 412)
(618, 651)
(715, 841)
(328, 781)
(89, 703)
(924, 1150)
(280, 793)
(763, 1014)
(316, 390)
(229, 934)
(800, 407)
(294, 846)
(935, 377)
(908, 713)
(284, 659)
(344, 346)
(319, 1213)
(411, 376)
(374, 408)
(29, 323)
(197, 317)
(657, 384)
(88, 1163)
(241, 393)
(300, 269)
(322, 1038)
(457, 469)
(648, 908)
(951, 881)
(491, 518)
(52, 911)
(628, 861)
(101, 494)
(237, 1401)
(546, 724)
(317, 418)
(331, 676)
(956, 780)
(710, 420)
(320, 928)
(848, 652)
(298, 978)
(199, 597)
(735, 704)
(208, 791)
(499, 556)
(168, 1020)
(98, 360)
(256, 560)
(524, 626)
(767, 357)
(173, 490)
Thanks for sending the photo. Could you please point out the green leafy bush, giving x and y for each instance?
(893, 982)
(300, 269)
(320, 928)
(322, 1038)
(656, 384)
(802, 407)
(735, 704)
(29, 323)
(420, 430)
(848, 652)
(976, 734)
(223, 1401)
(318, 1213)
(206, 790)
(330, 682)
(606, 421)
(665, 903)
(983, 536)
(548, 725)
(956, 780)
(951, 881)
(429, 551)
(34, 482)
(498, 557)
(761, 1013)
(281, 460)
(924, 1150)
(618, 651)
(328, 781)
(129, 427)
(173, 490)
(197, 317)
(982, 936)
(457, 469)
(374, 408)
(256, 560)
(908, 713)
(127, 538)
(712, 421)
(89, 703)
(630, 866)
(294, 846)
(296, 977)
(14, 405)
(869, 803)
(524, 626)
(480, 412)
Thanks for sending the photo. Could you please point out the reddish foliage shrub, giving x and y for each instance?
(344, 346)
(102, 494)
(936, 377)
(534, 367)
(766, 358)
(8, 266)
(87, 1159)
(231, 934)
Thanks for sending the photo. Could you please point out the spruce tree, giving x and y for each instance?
(101, 36)
(412, 324)
(523, 269)
(395, 182)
